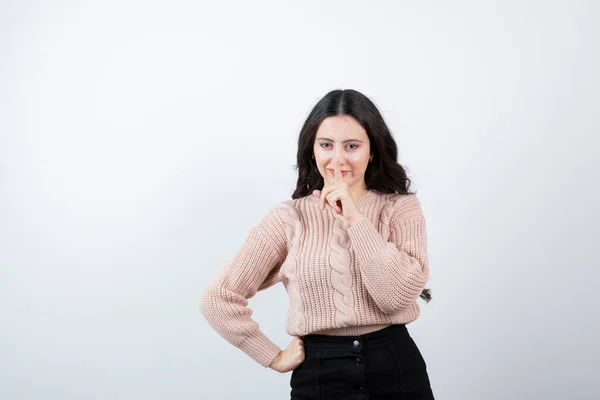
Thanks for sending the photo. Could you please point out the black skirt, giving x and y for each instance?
(385, 364)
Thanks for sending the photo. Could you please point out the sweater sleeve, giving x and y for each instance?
(254, 267)
(395, 271)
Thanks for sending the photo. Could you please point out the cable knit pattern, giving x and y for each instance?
(341, 275)
(341, 279)
(386, 215)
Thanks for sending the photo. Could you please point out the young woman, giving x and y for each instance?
(350, 249)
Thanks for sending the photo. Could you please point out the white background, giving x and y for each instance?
(140, 141)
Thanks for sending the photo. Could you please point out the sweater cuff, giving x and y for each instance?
(260, 348)
(366, 240)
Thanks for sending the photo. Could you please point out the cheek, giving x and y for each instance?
(358, 160)
(320, 158)
(322, 163)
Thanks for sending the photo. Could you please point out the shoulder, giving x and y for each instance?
(294, 208)
(282, 214)
(402, 206)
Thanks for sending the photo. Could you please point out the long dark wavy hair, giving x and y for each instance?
(384, 174)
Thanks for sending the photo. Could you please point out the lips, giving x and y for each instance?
(333, 172)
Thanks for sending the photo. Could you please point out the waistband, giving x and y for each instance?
(380, 338)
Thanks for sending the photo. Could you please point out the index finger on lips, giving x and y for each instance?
(337, 171)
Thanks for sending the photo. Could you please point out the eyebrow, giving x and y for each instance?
(345, 141)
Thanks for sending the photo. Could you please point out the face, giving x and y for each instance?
(342, 137)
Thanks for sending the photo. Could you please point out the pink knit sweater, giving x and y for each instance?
(340, 279)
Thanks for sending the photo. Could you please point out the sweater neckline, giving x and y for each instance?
(361, 201)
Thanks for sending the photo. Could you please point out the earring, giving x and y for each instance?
(313, 156)
(371, 158)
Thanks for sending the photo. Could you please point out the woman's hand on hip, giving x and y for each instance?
(290, 358)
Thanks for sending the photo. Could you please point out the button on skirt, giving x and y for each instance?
(384, 364)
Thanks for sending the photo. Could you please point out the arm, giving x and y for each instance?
(395, 271)
(224, 301)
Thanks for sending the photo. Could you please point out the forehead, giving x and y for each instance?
(341, 127)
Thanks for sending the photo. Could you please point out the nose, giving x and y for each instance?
(340, 156)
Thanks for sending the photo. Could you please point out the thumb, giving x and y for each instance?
(317, 193)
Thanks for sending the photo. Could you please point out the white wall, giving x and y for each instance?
(139, 142)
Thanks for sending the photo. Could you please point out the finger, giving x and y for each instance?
(324, 195)
(334, 204)
(317, 193)
(340, 199)
(332, 200)
(337, 171)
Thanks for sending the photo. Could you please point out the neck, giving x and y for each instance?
(358, 191)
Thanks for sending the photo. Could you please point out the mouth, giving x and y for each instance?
(332, 172)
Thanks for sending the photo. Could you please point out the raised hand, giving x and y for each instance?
(338, 195)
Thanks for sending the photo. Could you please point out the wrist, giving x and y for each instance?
(355, 218)
(275, 362)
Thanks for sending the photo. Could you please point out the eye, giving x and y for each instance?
(355, 146)
(323, 144)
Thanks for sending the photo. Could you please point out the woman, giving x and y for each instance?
(350, 249)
